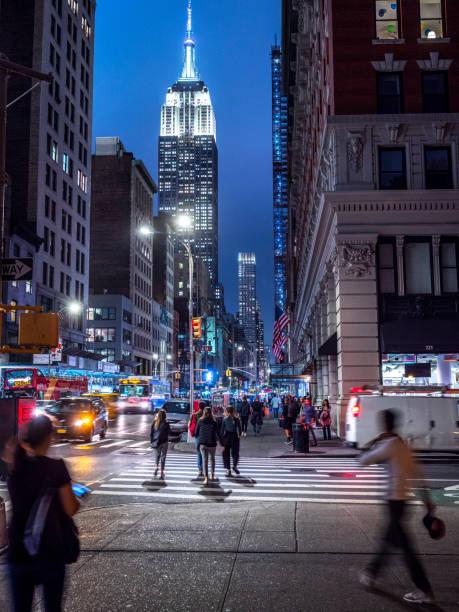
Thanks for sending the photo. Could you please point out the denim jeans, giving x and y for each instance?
(198, 456)
(160, 454)
(205, 452)
(25, 576)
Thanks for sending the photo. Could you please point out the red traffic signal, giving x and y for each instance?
(196, 326)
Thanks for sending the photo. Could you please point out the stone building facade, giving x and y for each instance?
(374, 206)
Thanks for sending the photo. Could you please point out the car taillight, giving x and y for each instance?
(355, 410)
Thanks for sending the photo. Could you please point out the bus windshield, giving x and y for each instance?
(134, 390)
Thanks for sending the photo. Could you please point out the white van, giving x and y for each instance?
(426, 423)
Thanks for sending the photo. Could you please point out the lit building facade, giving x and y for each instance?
(373, 193)
(188, 158)
(247, 279)
(280, 190)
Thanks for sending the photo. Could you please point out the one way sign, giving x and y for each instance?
(16, 269)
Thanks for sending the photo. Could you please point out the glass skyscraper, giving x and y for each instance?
(247, 277)
(280, 195)
(188, 157)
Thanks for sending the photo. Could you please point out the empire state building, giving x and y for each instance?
(188, 157)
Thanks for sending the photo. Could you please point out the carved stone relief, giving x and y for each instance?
(355, 151)
(357, 260)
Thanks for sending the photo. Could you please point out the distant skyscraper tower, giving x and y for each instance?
(188, 157)
(280, 193)
(247, 276)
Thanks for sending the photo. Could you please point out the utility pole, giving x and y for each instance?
(6, 69)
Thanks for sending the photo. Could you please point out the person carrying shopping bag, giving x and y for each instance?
(159, 438)
(231, 434)
(207, 434)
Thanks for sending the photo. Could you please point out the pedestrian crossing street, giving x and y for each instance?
(325, 480)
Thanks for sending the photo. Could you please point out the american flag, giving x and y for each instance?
(279, 337)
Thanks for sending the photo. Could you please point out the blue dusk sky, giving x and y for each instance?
(138, 55)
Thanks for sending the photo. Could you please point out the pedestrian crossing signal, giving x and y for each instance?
(196, 325)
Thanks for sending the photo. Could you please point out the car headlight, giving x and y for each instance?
(81, 422)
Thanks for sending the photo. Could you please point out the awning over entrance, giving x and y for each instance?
(329, 347)
(420, 336)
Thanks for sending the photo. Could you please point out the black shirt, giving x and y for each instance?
(28, 478)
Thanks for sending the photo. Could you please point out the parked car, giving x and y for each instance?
(79, 418)
(178, 413)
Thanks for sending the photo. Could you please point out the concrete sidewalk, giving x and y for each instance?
(245, 557)
(271, 443)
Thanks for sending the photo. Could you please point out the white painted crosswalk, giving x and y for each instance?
(325, 480)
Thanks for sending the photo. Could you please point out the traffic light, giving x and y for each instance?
(228, 373)
(196, 325)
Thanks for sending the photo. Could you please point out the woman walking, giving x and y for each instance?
(325, 419)
(32, 476)
(231, 434)
(159, 438)
(207, 434)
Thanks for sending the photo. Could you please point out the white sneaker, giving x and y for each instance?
(367, 580)
(419, 597)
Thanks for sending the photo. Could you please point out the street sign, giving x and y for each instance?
(16, 268)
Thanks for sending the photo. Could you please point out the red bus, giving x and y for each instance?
(31, 382)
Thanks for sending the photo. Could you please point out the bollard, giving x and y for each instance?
(3, 530)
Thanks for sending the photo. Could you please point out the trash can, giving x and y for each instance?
(300, 438)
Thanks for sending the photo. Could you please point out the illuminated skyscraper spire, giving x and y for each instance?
(189, 71)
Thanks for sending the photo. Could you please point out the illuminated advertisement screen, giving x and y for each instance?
(18, 379)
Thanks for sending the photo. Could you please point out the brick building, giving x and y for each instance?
(374, 207)
(121, 256)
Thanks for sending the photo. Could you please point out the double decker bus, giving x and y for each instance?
(142, 394)
(32, 382)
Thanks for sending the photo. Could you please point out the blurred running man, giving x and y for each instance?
(390, 449)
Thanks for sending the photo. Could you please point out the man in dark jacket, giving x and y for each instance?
(293, 410)
(192, 426)
(244, 411)
(257, 415)
(207, 434)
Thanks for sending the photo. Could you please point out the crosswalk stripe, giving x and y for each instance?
(116, 443)
(247, 491)
(237, 497)
(265, 484)
(137, 444)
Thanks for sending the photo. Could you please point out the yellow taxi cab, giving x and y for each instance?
(110, 400)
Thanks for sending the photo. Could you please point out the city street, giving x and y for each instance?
(290, 530)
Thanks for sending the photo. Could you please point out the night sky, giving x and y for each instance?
(138, 54)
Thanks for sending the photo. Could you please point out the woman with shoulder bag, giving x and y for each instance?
(207, 433)
(159, 437)
(231, 434)
(325, 419)
(41, 494)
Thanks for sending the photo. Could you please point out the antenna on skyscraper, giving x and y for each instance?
(189, 26)
(275, 40)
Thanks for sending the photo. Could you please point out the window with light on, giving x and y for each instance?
(431, 14)
(387, 19)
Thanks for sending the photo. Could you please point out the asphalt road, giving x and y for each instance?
(119, 469)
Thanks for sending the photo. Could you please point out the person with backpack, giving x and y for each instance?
(325, 419)
(39, 486)
(231, 433)
(207, 433)
(244, 411)
(257, 415)
(390, 449)
(159, 438)
(192, 426)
